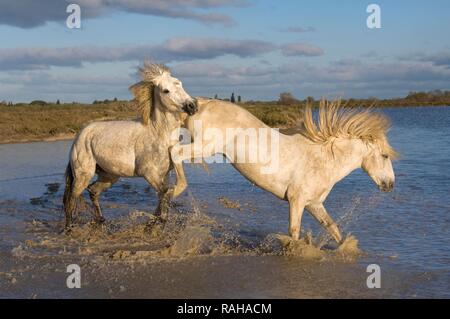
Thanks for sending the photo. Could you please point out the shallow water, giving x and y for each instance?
(227, 250)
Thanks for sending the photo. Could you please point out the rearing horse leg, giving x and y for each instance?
(181, 182)
(103, 182)
(178, 154)
(320, 213)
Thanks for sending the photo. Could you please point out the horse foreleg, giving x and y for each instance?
(103, 182)
(296, 207)
(161, 184)
(69, 208)
(162, 211)
(321, 215)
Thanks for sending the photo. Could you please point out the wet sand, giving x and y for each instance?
(186, 259)
(199, 277)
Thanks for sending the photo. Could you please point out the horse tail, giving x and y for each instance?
(68, 200)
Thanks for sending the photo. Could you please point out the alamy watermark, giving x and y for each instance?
(374, 279)
(74, 279)
(73, 21)
(259, 146)
(374, 19)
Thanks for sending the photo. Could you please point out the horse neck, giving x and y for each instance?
(165, 121)
(347, 156)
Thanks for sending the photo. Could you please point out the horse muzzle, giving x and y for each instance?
(190, 107)
(386, 186)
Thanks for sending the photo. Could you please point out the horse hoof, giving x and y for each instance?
(66, 230)
(150, 226)
(156, 220)
(100, 220)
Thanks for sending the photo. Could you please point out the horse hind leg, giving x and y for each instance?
(69, 202)
(79, 180)
(103, 182)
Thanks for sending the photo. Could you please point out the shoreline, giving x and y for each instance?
(60, 137)
(288, 130)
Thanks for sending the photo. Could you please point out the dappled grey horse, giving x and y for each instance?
(130, 148)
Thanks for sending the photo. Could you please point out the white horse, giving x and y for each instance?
(309, 163)
(130, 148)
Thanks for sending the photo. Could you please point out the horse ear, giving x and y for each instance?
(142, 92)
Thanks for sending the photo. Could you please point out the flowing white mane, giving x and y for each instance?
(151, 71)
(335, 121)
(143, 91)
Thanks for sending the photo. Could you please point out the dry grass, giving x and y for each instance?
(274, 114)
(25, 122)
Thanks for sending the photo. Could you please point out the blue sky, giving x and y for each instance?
(257, 49)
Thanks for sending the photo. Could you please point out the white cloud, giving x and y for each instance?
(176, 49)
(296, 29)
(32, 13)
(301, 49)
(439, 59)
(347, 77)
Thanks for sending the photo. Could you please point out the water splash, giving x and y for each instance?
(352, 213)
(194, 203)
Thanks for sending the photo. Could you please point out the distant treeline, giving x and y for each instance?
(58, 102)
(40, 119)
(436, 97)
(431, 98)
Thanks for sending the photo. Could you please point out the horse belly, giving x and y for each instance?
(117, 162)
(273, 183)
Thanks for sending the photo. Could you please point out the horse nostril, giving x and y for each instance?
(190, 108)
(386, 186)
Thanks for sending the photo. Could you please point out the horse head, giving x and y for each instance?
(159, 88)
(377, 163)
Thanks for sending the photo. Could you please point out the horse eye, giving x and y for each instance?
(166, 91)
(385, 156)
